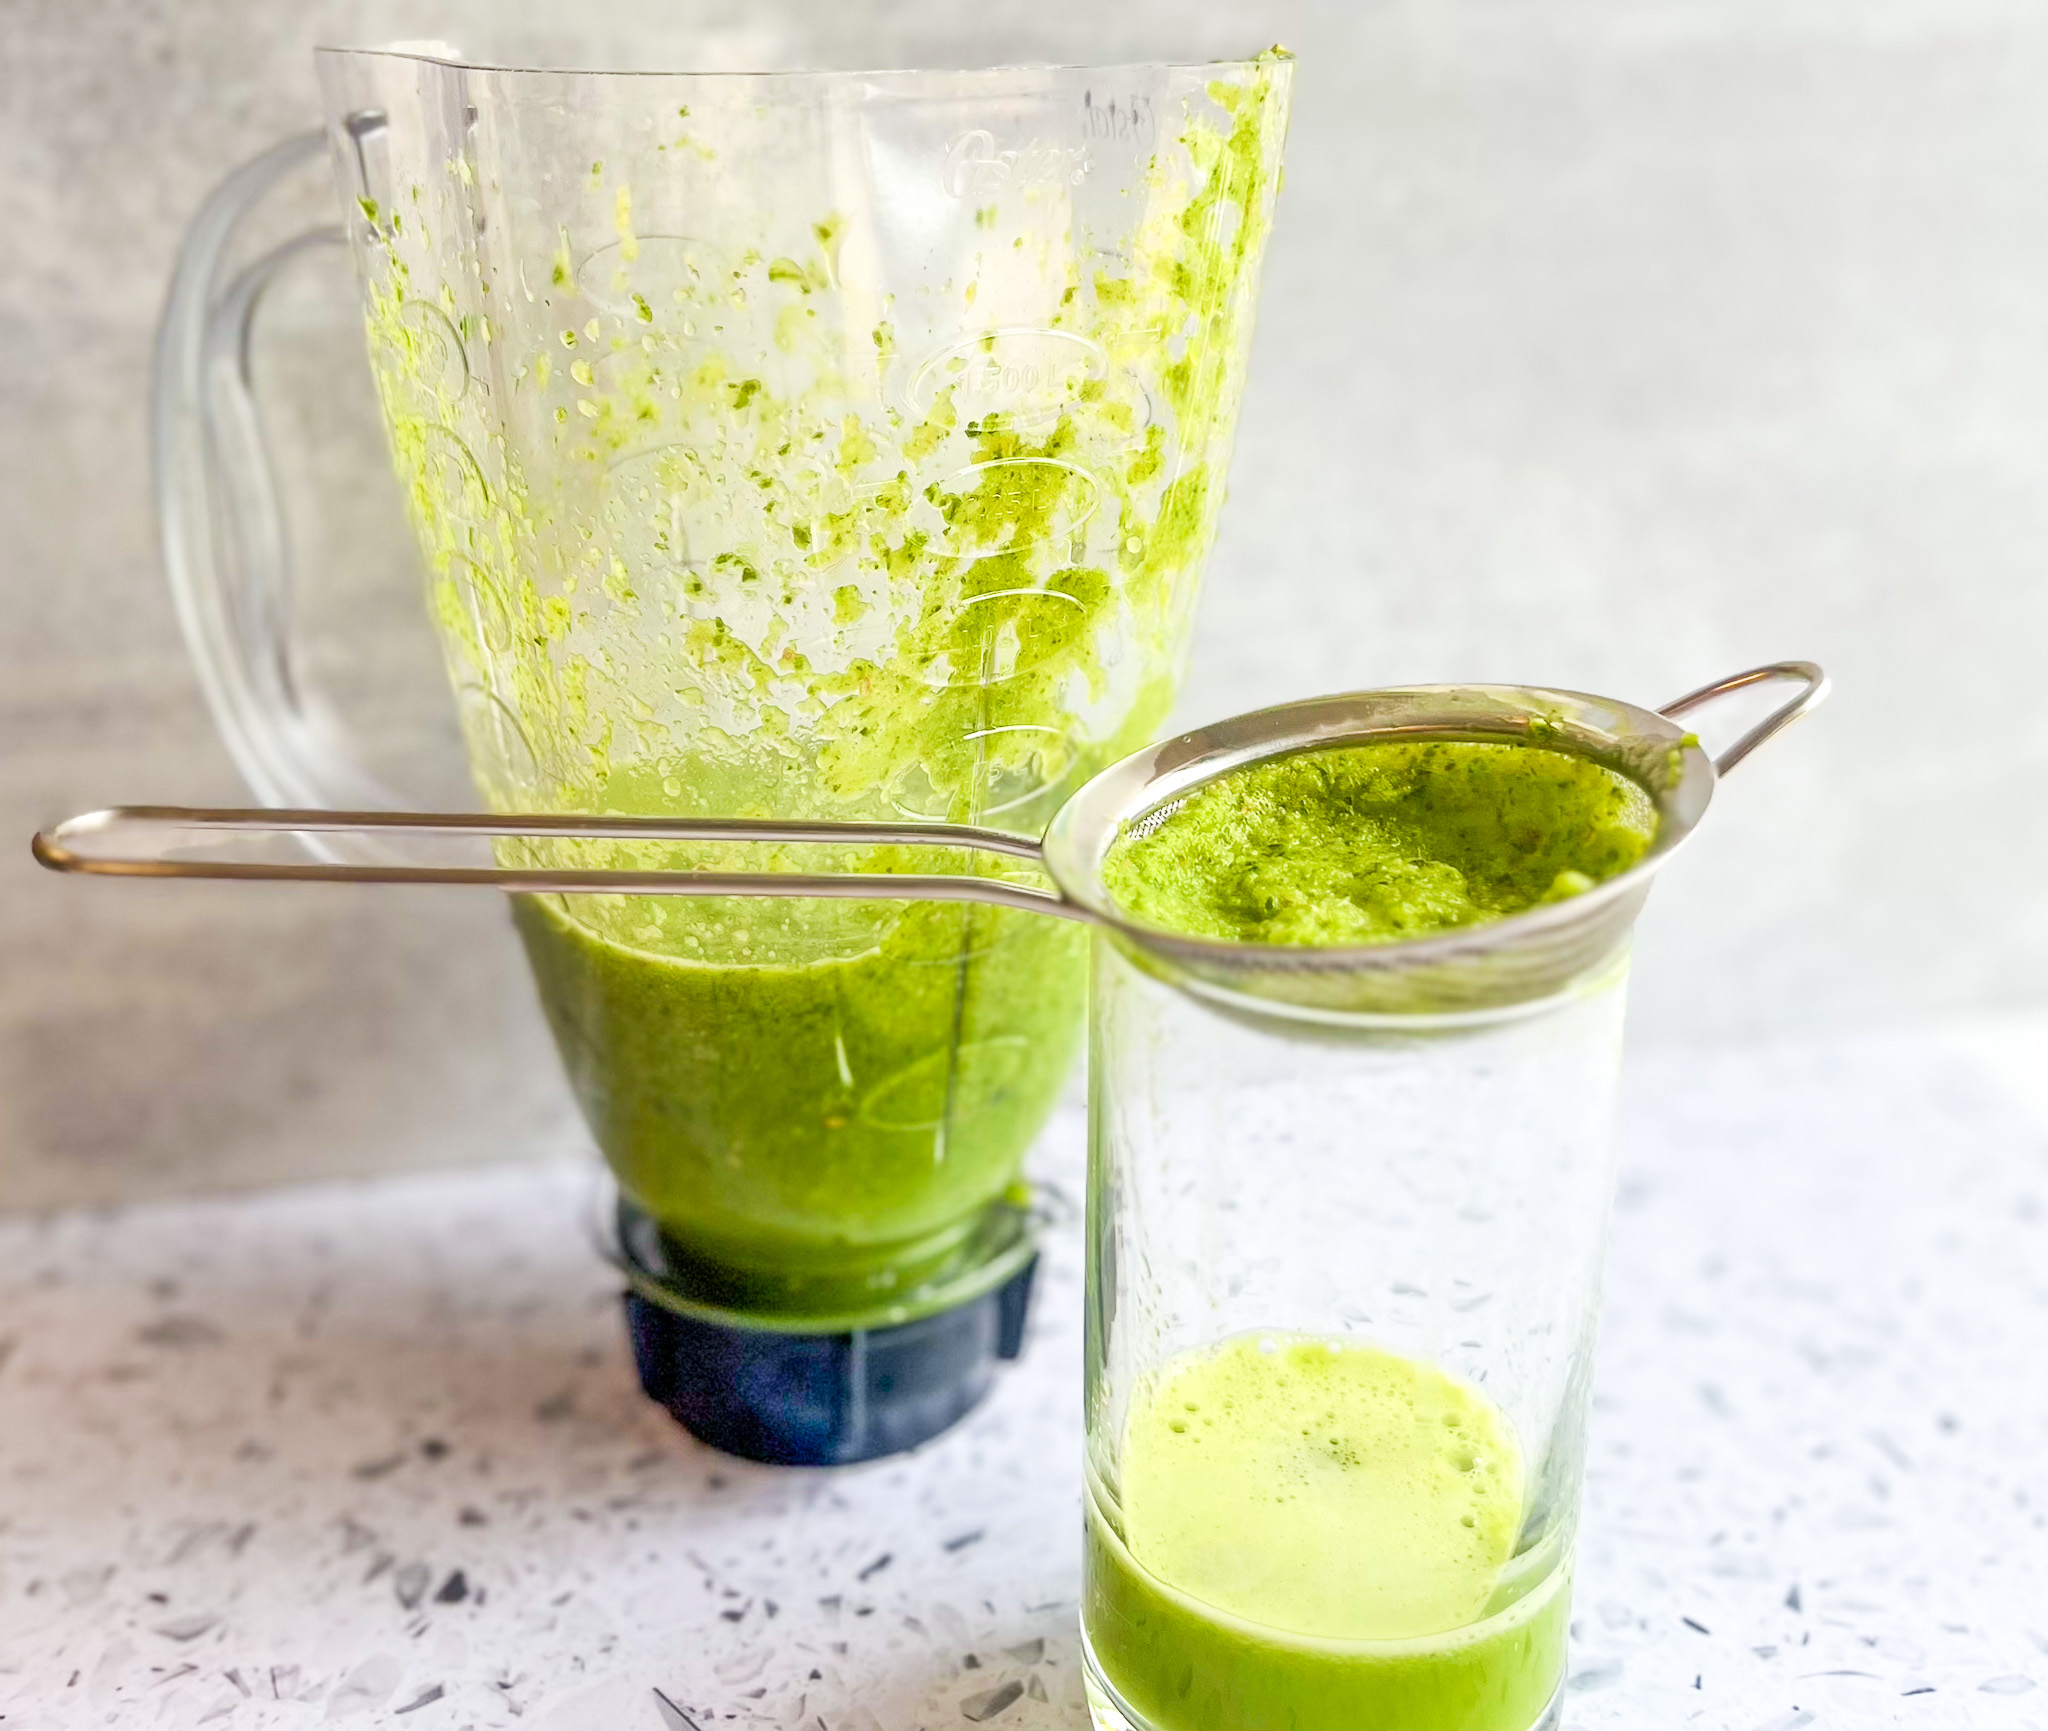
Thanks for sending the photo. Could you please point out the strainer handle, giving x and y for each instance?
(164, 841)
(1813, 691)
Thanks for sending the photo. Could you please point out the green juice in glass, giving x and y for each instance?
(1316, 1534)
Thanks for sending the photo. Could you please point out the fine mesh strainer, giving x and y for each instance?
(1522, 959)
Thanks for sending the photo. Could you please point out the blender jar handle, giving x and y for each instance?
(1813, 690)
(224, 543)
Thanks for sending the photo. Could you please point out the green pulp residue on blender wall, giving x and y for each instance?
(1318, 1533)
(736, 501)
(1374, 843)
(713, 495)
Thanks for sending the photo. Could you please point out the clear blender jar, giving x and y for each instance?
(814, 446)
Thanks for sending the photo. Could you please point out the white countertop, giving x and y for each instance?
(375, 1451)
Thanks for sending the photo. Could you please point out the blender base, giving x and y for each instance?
(830, 1398)
(830, 1387)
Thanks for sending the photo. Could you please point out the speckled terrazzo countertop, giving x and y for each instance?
(375, 1452)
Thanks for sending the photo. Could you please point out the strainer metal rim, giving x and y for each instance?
(1082, 832)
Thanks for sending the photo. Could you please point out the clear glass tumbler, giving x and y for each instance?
(1323, 1243)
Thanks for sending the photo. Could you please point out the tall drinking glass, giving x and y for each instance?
(1346, 1212)
(1335, 1251)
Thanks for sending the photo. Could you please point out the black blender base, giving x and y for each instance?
(822, 1400)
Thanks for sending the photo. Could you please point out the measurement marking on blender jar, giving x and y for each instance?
(1020, 787)
(656, 491)
(997, 498)
(995, 792)
(662, 271)
(1028, 372)
(1009, 631)
(455, 468)
(918, 1096)
(1128, 117)
(481, 602)
(431, 328)
(973, 166)
(489, 719)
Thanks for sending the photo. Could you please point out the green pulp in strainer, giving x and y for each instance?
(1370, 844)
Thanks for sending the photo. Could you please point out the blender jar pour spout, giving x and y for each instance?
(152, 841)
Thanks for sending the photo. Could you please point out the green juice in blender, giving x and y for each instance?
(815, 1136)
(1315, 1532)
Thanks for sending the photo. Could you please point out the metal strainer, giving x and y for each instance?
(1524, 958)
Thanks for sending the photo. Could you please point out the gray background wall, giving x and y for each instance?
(1603, 343)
